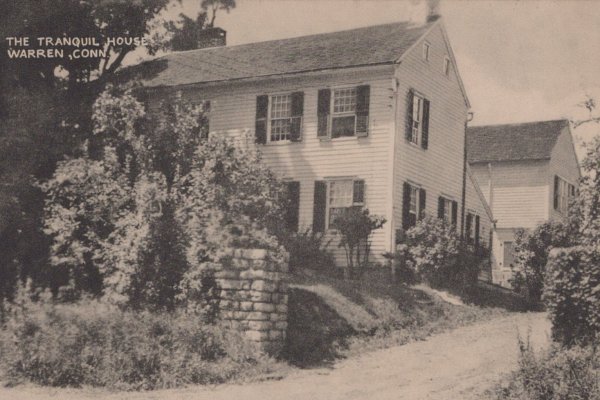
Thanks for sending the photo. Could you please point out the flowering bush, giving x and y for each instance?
(433, 249)
(152, 200)
(433, 252)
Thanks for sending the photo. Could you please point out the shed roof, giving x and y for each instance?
(373, 45)
(513, 142)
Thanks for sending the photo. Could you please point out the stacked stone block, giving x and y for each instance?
(252, 296)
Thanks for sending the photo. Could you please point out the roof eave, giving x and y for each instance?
(269, 76)
(484, 161)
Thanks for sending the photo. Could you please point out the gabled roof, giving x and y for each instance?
(513, 142)
(373, 45)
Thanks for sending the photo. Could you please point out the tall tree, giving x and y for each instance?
(45, 109)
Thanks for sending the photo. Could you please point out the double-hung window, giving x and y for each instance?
(342, 195)
(563, 193)
(472, 228)
(413, 205)
(417, 128)
(417, 119)
(279, 118)
(343, 112)
(446, 210)
(343, 118)
(413, 209)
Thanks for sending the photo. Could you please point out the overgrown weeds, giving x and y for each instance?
(92, 343)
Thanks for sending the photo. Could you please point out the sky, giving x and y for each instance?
(519, 60)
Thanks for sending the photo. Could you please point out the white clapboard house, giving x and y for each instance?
(372, 117)
(527, 172)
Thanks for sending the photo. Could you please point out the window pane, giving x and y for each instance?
(448, 211)
(334, 213)
(340, 198)
(280, 129)
(413, 200)
(281, 106)
(343, 126)
(417, 108)
(340, 193)
(344, 100)
(281, 111)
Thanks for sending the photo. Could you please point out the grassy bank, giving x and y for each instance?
(331, 318)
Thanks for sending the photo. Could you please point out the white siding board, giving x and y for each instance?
(520, 207)
(439, 169)
(476, 204)
(564, 163)
(233, 109)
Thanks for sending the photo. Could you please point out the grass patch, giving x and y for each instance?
(331, 318)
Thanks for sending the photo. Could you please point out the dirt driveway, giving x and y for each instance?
(459, 364)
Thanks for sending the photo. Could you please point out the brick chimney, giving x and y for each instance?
(211, 37)
(433, 10)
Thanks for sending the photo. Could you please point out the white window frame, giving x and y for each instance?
(447, 217)
(426, 51)
(417, 123)
(416, 210)
(470, 235)
(446, 67)
(564, 195)
(349, 204)
(270, 118)
(342, 114)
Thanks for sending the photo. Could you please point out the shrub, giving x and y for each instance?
(559, 374)
(355, 225)
(433, 249)
(531, 256)
(92, 343)
(572, 294)
(308, 249)
(403, 270)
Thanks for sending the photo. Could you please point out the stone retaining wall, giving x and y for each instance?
(252, 296)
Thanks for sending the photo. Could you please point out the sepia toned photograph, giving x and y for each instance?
(300, 199)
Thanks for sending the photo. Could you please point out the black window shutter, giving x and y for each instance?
(409, 115)
(363, 94)
(323, 106)
(296, 120)
(260, 129)
(440, 207)
(358, 192)
(556, 192)
(292, 210)
(477, 230)
(320, 204)
(422, 203)
(425, 127)
(454, 212)
(406, 206)
(206, 119)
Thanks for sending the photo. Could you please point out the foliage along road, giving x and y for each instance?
(460, 364)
